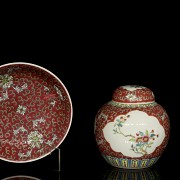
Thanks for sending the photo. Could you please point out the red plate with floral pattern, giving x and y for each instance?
(35, 112)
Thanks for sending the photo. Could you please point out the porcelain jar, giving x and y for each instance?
(132, 130)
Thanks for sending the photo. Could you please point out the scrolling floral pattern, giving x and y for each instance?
(35, 113)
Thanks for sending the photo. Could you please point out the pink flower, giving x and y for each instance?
(145, 138)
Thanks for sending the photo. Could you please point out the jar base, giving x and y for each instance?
(131, 164)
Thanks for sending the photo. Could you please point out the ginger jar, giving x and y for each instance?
(132, 130)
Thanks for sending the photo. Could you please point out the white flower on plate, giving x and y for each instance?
(4, 96)
(21, 109)
(35, 139)
(53, 102)
(6, 81)
(21, 155)
(50, 143)
(20, 89)
(20, 129)
(59, 92)
(35, 122)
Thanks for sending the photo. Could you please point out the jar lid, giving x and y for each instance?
(133, 94)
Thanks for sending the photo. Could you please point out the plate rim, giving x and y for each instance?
(69, 98)
(20, 176)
